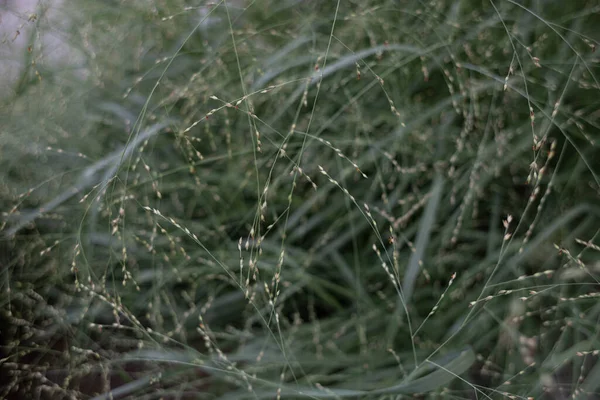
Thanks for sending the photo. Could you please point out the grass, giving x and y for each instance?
(302, 199)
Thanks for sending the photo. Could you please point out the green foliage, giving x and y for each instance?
(305, 199)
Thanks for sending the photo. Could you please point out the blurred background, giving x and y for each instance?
(298, 199)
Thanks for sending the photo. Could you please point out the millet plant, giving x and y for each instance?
(302, 199)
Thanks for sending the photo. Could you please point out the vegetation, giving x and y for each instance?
(292, 199)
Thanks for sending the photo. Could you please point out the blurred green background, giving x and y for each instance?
(299, 199)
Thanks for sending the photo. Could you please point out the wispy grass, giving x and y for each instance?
(302, 199)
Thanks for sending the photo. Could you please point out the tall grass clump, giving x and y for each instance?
(302, 199)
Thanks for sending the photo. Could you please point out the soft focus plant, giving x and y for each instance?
(303, 199)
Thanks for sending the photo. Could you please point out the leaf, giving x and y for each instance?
(450, 366)
(423, 235)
